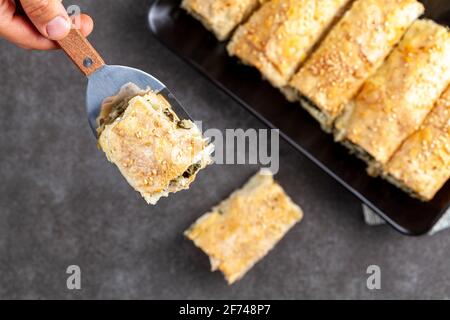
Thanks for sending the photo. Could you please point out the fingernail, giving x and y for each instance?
(58, 28)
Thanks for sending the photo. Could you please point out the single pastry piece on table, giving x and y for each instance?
(279, 36)
(395, 101)
(155, 151)
(220, 16)
(353, 50)
(242, 229)
(421, 166)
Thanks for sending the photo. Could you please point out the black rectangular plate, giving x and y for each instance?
(187, 38)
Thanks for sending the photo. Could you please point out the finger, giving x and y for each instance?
(21, 32)
(87, 25)
(49, 17)
(25, 35)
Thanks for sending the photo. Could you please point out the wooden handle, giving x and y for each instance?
(82, 53)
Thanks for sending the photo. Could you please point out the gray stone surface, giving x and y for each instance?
(62, 203)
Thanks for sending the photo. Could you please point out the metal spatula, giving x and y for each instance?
(105, 80)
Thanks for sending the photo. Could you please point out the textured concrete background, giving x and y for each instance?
(62, 203)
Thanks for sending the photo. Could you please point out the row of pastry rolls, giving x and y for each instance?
(354, 49)
(332, 56)
(394, 103)
(421, 166)
(221, 16)
(396, 100)
(281, 34)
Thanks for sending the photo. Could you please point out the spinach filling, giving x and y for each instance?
(169, 114)
(190, 171)
(116, 111)
(185, 124)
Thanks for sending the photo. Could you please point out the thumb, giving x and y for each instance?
(49, 17)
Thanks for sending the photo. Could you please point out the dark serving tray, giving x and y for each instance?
(187, 38)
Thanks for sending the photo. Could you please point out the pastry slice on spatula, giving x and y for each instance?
(140, 125)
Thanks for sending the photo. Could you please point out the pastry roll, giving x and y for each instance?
(155, 151)
(221, 16)
(353, 50)
(241, 230)
(421, 166)
(278, 37)
(395, 101)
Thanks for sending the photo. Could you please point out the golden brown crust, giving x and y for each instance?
(352, 52)
(395, 101)
(244, 228)
(113, 107)
(279, 36)
(220, 16)
(150, 149)
(422, 164)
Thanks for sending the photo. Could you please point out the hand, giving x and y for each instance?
(45, 20)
